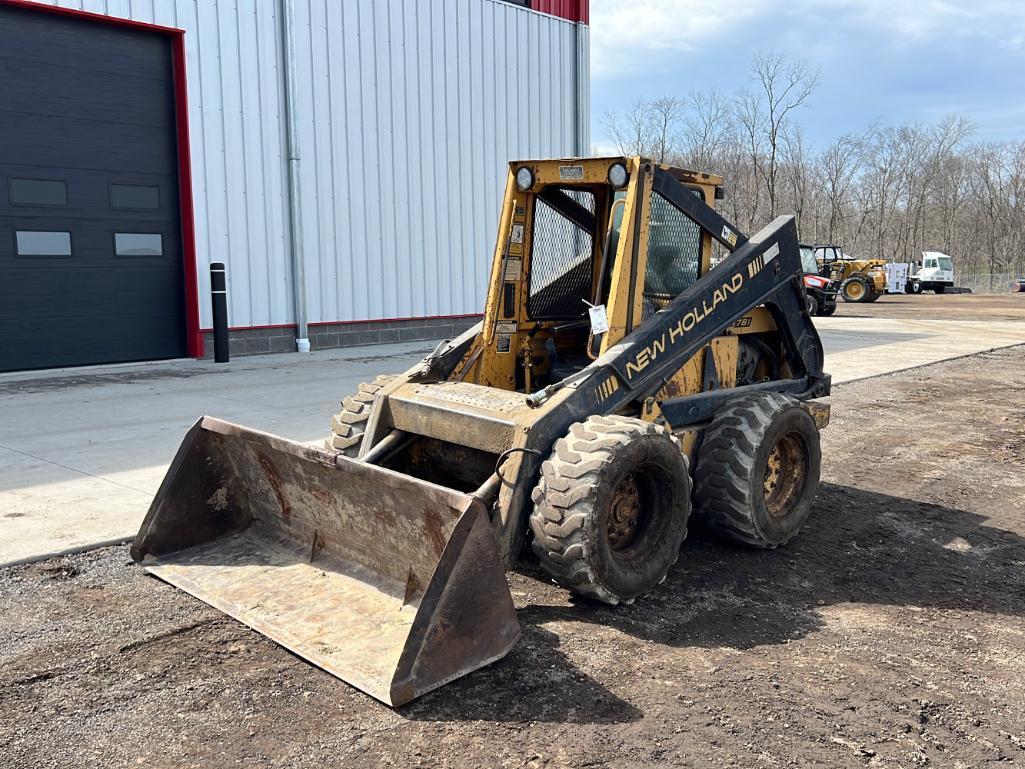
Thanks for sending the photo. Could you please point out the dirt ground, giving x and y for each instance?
(889, 633)
(939, 307)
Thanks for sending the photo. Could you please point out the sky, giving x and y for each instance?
(885, 62)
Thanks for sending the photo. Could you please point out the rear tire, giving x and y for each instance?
(349, 424)
(611, 508)
(828, 310)
(758, 470)
(855, 290)
(939, 289)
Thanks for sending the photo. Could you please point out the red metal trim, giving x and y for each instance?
(249, 328)
(349, 322)
(193, 336)
(111, 20)
(390, 320)
(573, 10)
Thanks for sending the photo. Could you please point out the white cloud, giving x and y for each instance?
(623, 30)
(620, 29)
(924, 19)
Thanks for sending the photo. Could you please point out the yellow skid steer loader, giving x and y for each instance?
(617, 381)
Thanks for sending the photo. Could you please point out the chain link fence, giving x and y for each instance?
(987, 282)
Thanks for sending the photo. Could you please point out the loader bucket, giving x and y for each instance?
(388, 582)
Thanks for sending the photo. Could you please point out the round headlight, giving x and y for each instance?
(617, 175)
(524, 178)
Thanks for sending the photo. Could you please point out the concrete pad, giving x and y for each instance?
(82, 451)
(857, 348)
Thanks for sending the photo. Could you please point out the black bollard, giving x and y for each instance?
(219, 300)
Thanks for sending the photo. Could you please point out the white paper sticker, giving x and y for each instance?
(599, 319)
(513, 266)
(517, 233)
(506, 327)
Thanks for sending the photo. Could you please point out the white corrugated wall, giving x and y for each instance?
(409, 112)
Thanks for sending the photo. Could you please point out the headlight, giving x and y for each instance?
(617, 175)
(524, 178)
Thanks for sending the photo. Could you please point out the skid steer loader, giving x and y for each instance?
(616, 381)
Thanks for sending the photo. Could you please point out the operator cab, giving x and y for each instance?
(574, 241)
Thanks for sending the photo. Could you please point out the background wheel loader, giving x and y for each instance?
(618, 388)
(857, 280)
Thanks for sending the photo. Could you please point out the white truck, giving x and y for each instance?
(935, 274)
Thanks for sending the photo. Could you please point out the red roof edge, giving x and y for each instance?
(573, 10)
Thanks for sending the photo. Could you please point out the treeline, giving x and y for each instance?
(884, 191)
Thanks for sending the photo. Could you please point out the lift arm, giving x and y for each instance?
(765, 270)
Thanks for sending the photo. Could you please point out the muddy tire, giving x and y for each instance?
(611, 508)
(758, 470)
(855, 290)
(349, 424)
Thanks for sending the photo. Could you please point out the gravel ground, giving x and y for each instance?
(939, 307)
(888, 634)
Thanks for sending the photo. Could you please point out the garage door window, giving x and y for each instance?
(51, 193)
(138, 244)
(134, 197)
(35, 243)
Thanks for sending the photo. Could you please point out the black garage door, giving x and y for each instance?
(90, 235)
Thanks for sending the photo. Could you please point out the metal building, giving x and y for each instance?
(344, 158)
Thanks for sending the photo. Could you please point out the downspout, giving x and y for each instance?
(579, 126)
(578, 139)
(295, 217)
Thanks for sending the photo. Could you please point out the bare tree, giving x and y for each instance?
(782, 85)
(630, 130)
(839, 167)
(889, 191)
(708, 127)
(666, 119)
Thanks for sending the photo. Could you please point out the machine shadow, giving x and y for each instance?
(520, 688)
(858, 547)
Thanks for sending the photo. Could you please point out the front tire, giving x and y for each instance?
(915, 287)
(758, 470)
(827, 310)
(855, 290)
(611, 508)
(813, 305)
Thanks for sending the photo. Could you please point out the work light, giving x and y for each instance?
(524, 178)
(617, 175)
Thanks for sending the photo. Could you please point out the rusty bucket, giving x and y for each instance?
(390, 583)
